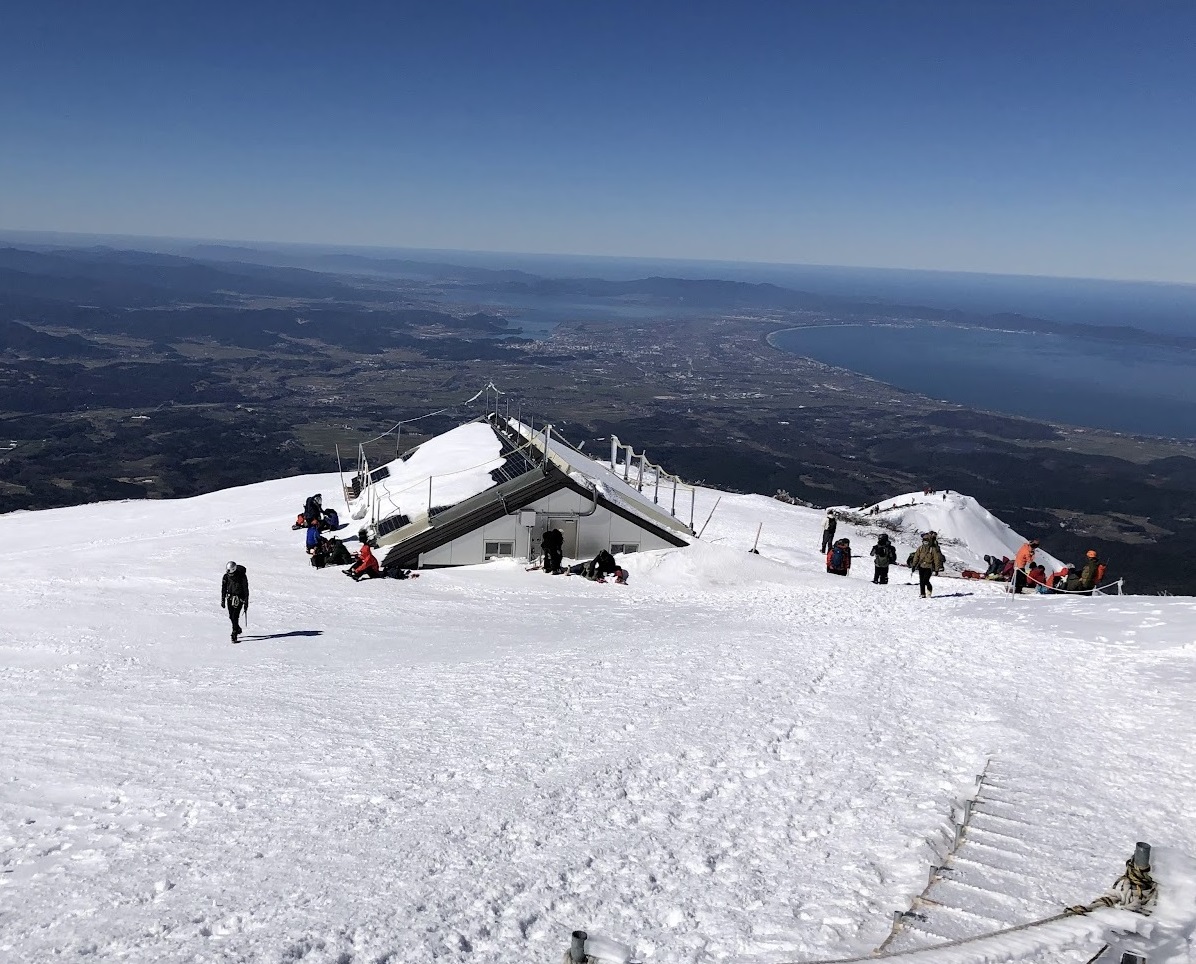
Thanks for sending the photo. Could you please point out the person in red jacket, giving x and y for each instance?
(366, 565)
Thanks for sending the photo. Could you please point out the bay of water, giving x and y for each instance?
(1121, 386)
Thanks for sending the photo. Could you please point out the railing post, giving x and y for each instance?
(639, 484)
(614, 451)
(429, 497)
(673, 510)
(656, 493)
(627, 457)
(1142, 856)
(577, 947)
(693, 494)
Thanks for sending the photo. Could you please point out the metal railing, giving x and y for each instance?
(640, 466)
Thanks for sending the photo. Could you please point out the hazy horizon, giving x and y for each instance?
(42, 236)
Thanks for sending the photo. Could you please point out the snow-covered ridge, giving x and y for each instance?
(731, 758)
(967, 531)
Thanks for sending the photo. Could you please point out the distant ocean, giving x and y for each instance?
(1136, 389)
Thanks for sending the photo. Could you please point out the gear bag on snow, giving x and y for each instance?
(838, 557)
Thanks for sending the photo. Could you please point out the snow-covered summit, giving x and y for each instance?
(731, 758)
(967, 531)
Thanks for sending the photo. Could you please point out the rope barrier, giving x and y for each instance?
(938, 947)
(1135, 890)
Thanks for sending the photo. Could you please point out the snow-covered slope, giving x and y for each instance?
(732, 758)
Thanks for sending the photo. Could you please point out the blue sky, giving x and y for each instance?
(1038, 137)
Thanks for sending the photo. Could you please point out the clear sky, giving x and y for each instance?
(1028, 137)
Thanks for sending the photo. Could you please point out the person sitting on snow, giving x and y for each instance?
(338, 553)
(313, 510)
(331, 520)
(313, 538)
(366, 566)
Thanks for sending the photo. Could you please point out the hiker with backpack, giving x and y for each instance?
(838, 558)
(331, 520)
(1093, 572)
(313, 538)
(884, 554)
(234, 595)
(928, 560)
(313, 510)
(552, 546)
(828, 530)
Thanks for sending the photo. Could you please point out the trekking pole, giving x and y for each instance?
(709, 517)
(754, 551)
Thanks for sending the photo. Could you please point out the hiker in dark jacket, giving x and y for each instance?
(313, 538)
(884, 554)
(828, 530)
(313, 509)
(552, 545)
(1091, 571)
(598, 568)
(338, 553)
(234, 595)
(928, 560)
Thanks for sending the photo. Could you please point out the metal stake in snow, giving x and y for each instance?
(709, 517)
(577, 947)
(1142, 856)
(754, 551)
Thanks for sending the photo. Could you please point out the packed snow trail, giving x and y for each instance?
(734, 757)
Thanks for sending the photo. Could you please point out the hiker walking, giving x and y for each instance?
(234, 595)
(884, 554)
(828, 530)
(1022, 563)
(928, 560)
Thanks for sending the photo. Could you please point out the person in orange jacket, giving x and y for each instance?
(366, 565)
(1022, 563)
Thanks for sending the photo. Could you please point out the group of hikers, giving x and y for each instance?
(315, 516)
(552, 559)
(330, 550)
(927, 560)
(1024, 572)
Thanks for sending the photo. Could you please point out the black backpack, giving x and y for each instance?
(838, 557)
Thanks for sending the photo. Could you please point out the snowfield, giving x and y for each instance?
(732, 758)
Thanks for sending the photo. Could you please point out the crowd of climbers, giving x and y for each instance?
(1022, 571)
